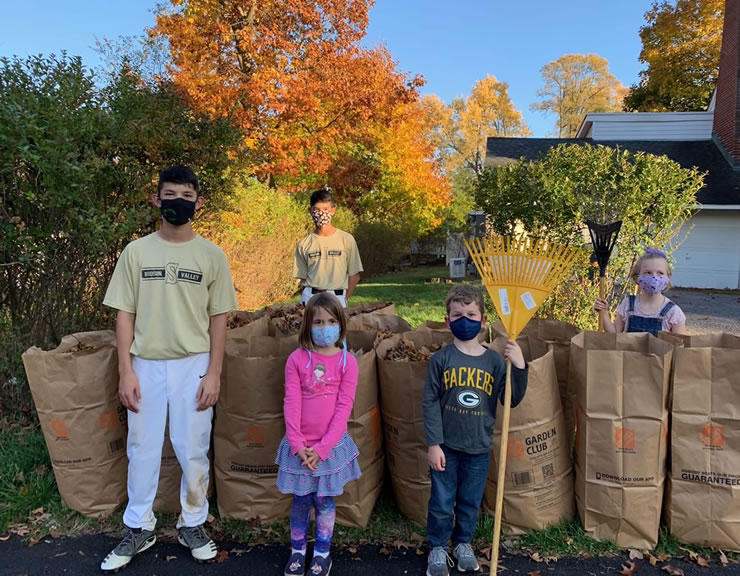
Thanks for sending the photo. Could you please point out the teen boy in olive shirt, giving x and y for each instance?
(464, 381)
(326, 259)
(172, 290)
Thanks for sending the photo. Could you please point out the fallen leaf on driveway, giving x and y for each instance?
(535, 556)
(722, 556)
(384, 551)
(672, 570)
(169, 558)
(534, 573)
(701, 561)
(636, 554)
(629, 569)
(222, 556)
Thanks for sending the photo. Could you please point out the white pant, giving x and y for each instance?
(306, 296)
(168, 384)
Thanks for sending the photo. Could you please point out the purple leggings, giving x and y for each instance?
(325, 515)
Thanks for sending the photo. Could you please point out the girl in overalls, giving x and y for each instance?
(649, 311)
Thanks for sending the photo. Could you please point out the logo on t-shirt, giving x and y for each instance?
(172, 274)
(468, 399)
(334, 252)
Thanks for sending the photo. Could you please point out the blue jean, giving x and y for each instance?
(459, 487)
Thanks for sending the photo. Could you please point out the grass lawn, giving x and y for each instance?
(31, 506)
(415, 298)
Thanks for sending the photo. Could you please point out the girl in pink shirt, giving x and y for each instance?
(316, 458)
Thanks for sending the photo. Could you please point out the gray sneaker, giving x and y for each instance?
(438, 562)
(466, 560)
(202, 548)
(133, 542)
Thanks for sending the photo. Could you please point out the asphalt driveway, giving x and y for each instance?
(708, 311)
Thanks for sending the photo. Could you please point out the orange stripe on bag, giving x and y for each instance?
(515, 448)
(624, 438)
(713, 435)
(58, 428)
(107, 419)
(255, 435)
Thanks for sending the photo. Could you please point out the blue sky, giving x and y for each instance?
(451, 48)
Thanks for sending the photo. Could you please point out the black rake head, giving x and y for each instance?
(603, 238)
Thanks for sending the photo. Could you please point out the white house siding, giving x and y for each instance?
(647, 126)
(709, 257)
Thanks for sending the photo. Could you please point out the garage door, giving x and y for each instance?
(710, 256)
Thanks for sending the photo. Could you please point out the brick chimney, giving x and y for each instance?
(726, 125)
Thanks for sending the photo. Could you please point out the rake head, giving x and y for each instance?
(519, 274)
(603, 238)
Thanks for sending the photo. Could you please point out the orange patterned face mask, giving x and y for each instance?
(320, 217)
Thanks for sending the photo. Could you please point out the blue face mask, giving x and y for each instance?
(325, 336)
(464, 328)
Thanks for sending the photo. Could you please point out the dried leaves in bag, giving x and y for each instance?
(406, 351)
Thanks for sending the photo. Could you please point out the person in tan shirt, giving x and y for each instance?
(326, 259)
(172, 290)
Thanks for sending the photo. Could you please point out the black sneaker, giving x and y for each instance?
(202, 548)
(134, 540)
(296, 565)
(320, 566)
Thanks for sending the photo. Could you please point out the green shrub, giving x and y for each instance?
(553, 196)
(78, 163)
(258, 232)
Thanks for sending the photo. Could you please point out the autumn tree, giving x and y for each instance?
(680, 46)
(576, 84)
(291, 72)
(460, 129)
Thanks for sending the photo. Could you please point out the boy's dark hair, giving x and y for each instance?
(321, 195)
(330, 303)
(465, 294)
(177, 174)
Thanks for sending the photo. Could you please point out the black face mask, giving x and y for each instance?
(177, 211)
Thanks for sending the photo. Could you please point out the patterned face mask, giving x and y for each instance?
(320, 217)
(652, 284)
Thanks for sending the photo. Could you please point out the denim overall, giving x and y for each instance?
(641, 323)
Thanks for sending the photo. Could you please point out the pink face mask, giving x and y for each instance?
(652, 284)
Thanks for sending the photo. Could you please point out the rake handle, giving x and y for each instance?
(501, 476)
(602, 294)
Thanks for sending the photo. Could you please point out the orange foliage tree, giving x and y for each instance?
(291, 72)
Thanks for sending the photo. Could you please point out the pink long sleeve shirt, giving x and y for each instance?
(318, 399)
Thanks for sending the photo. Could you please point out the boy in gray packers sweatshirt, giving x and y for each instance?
(464, 381)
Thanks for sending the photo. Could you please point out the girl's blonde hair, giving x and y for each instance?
(331, 304)
(649, 254)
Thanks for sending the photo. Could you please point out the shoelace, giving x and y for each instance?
(129, 541)
(464, 551)
(197, 534)
(441, 556)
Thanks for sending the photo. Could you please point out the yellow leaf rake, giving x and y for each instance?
(519, 273)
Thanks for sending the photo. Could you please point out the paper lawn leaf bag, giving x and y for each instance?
(249, 423)
(75, 390)
(357, 502)
(558, 334)
(402, 368)
(703, 493)
(622, 385)
(539, 473)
